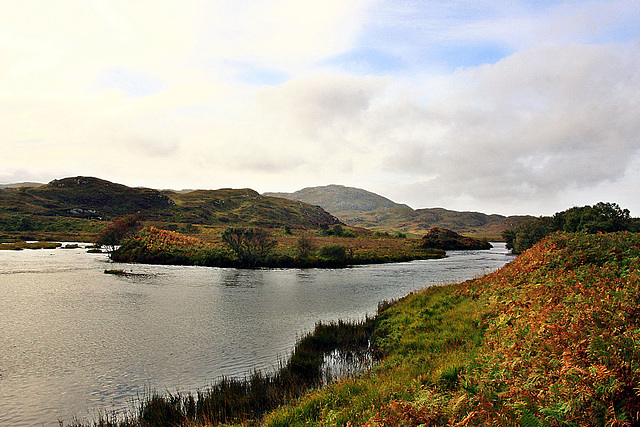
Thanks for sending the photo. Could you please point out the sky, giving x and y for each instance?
(509, 107)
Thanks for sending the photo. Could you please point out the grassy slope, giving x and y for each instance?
(79, 207)
(553, 338)
(246, 207)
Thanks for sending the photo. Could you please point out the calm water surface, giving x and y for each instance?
(75, 341)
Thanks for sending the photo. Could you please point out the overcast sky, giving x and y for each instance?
(508, 106)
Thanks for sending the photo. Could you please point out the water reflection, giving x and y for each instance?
(74, 340)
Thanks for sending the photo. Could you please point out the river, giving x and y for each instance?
(75, 341)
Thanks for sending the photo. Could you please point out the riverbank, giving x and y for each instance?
(550, 339)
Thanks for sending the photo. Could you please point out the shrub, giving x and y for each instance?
(333, 252)
(251, 245)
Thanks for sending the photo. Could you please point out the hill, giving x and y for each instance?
(21, 184)
(81, 205)
(362, 208)
(246, 207)
(341, 199)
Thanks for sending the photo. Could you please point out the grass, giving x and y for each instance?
(18, 246)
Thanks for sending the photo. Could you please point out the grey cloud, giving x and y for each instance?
(533, 124)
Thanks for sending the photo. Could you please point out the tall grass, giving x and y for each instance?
(247, 399)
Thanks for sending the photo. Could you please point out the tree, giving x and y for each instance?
(599, 218)
(334, 252)
(306, 246)
(251, 245)
(119, 230)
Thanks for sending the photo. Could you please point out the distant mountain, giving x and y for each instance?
(21, 185)
(97, 199)
(362, 208)
(338, 199)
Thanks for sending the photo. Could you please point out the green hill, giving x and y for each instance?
(246, 207)
(81, 205)
(362, 208)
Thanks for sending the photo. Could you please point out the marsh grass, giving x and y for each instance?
(246, 400)
(20, 245)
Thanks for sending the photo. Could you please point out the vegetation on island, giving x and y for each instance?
(439, 238)
(251, 247)
(599, 218)
(20, 245)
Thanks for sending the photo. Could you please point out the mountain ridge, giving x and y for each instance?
(362, 208)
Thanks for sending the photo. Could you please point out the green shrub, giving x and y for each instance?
(333, 252)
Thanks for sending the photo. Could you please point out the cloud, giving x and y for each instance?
(280, 34)
(532, 125)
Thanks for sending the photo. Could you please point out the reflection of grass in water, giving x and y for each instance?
(238, 400)
(341, 364)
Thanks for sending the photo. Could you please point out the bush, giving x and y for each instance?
(600, 218)
(333, 252)
(251, 245)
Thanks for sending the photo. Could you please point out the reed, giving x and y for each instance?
(233, 400)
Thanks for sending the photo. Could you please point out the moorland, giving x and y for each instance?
(550, 339)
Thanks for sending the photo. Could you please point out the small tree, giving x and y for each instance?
(119, 230)
(306, 246)
(251, 245)
(334, 252)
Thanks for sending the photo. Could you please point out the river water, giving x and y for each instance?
(75, 341)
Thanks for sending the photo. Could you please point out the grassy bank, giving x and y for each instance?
(551, 339)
